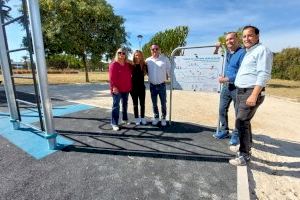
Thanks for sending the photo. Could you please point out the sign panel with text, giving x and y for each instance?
(197, 73)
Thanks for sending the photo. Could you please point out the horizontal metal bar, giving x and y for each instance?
(5, 6)
(20, 76)
(26, 102)
(30, 108)
(39, 131)
(12, 21)
(20, 49)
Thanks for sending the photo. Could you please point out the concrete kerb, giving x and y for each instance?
(242, 183)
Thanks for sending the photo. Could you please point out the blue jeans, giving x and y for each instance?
(228, 94)
(116, 107)
(159, 90)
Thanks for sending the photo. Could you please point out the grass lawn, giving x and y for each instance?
(284, 88)
(275, 87)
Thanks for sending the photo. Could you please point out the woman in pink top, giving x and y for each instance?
(120, 86)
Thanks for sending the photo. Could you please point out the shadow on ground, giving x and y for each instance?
(278, 147)
(177, 141)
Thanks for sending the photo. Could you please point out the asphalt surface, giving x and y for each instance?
(180, 161)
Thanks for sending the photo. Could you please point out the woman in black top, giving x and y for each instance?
(138, 87)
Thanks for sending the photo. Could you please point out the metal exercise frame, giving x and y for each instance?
(172, 74)
(40, 86)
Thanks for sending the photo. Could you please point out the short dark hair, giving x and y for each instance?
(232, 32)
(256, 30)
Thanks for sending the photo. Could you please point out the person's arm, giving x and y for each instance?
(264, 67)
(218, 45)
(251, 101)
(113, 78)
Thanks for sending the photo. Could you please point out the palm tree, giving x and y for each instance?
(25, 61)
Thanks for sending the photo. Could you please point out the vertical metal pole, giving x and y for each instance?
(172, 82)
(33, 66)
(9, 91)
(37, 39)
(221, 85)
(171, 88)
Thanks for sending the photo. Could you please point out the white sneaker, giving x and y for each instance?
(115, 127)
(163, 122)
(143, 121)
(137, 121)
(155, 121)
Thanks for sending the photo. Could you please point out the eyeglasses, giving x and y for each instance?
(154, 49)
(121, 53)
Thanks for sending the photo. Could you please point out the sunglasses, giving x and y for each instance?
(154, 49)
(121, 53)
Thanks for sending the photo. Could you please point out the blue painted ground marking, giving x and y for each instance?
(29, 139)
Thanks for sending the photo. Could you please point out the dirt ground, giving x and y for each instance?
(274, 172)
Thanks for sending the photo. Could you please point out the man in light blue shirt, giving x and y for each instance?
(251, 79)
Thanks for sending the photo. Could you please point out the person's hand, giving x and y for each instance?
(218, 45)
(251, 101)
(223, 79)
(115, 90)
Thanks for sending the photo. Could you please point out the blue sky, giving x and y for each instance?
(278, 20)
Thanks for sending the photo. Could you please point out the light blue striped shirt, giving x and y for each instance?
(255, 68)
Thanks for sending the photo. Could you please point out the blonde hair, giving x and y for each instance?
(121, 50)
(142, 60)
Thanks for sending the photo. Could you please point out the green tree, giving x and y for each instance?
(63, 61)
(286, 64)
(82, 28)
(167, 40)
(5, 10)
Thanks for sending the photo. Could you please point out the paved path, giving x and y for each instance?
(181, 161)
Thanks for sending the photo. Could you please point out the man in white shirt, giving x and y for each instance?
(159, 68)
(251, 79)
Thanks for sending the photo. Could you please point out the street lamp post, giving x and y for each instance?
(140, 37)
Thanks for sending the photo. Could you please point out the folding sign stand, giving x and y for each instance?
(196, 73)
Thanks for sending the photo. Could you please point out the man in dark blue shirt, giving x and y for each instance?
(234, 57)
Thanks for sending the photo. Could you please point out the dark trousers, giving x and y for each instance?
(138, 96)
(116, 107)
(159, 90)
(244, 116)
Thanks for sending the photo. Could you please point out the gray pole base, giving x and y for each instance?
(51, 140)
(16, 124)
(52, 143)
